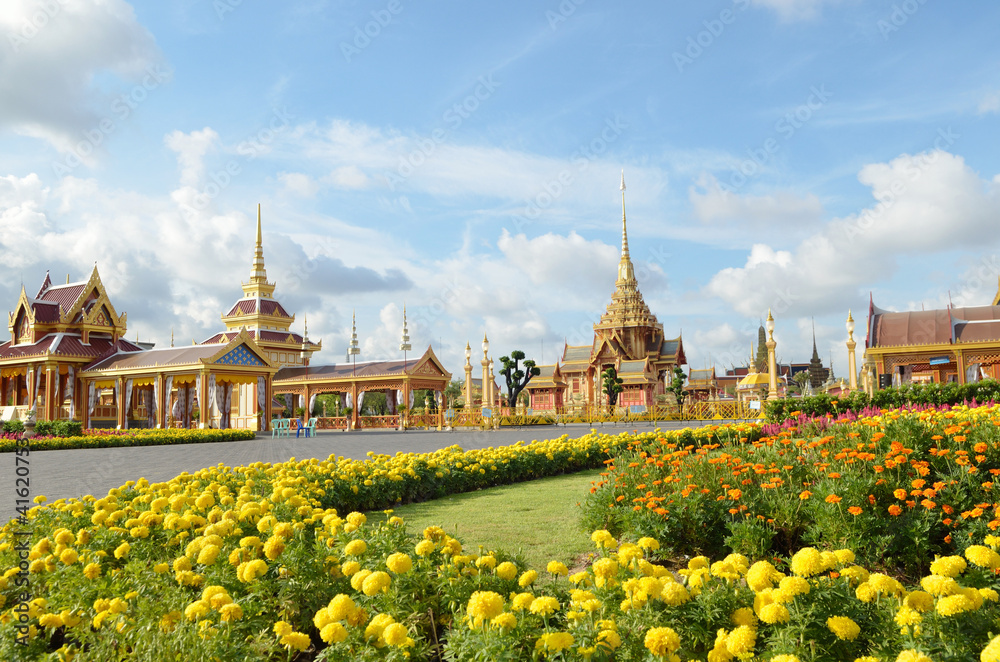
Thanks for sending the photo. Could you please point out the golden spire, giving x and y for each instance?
(258, 286)
(626, 272)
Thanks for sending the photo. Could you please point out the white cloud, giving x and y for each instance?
(299, 184)
(714, 205)
(191, 149)
(54, 51)
(925, 203)
(989, 103)
(348, 177)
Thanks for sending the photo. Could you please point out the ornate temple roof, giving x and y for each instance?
(68, 345)
(930, 327)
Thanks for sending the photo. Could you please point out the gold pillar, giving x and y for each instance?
(960, 365)
(119, 406)
(50, 393)
(85, 398)
(852, 361)
(468, 377)
(204, 412)
(772, 365)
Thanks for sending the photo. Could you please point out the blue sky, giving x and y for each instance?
(465, 160)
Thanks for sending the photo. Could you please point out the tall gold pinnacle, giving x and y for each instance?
(258, 285)
(626, 272)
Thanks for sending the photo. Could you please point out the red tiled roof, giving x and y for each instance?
(46, 312)
(63, 295)
(266, 336)
(249, 307)
(69, 346)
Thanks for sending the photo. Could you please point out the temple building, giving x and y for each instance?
(628, 338)
(954, 344)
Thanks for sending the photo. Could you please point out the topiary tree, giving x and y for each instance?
(517, 378)
(611, 384)
(677, 386)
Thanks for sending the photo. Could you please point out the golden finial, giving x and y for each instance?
(171, 336)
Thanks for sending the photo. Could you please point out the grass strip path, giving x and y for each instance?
(540, 519)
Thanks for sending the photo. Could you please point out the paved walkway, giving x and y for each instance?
(75, 473)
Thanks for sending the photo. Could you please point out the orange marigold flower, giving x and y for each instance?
(833, 498)
(900, 494)
(895, 510)
(805, 494)
(854, 510)
(928, 504)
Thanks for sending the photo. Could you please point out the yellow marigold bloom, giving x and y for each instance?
(742, 640)
(250, 570)
(992, 651)
(377, 626)
(843, 627)
(122, 550)
(674, 594)
(884, 584)
(231, 612)
(989, 594)
(950, 605)
(434, 533)
(283, 530)
(504, 621)
(356, 548)
(296, 641)
(544, 606)
(762, 575)
(552, 642)
(867, 658)
(919, 600)
(349, 568)
(208, 554)
(69, 556)
(609, 639)
(844, 556)
(281, 628)
(907, 616)
(557, 568)
(983, 556)
(527, 578)
(948, 566)
(333, 633)
(604, 570)
(358, 578)
(698, 562)
(939, 586)
(484, 606)
(911, 655)
(63, 536)
(744, 616)
(275, 545)
(159, 568)
(506, 570)
(992, 540)
(807, 562)
(774, 613)
(50, 621)
(341, 607)
(196, 610)
(396, 634)
(785, 658)
(357, 519)
(648, 543)
(399, 563)
(662, 641)
(182, 563)
(424, 547)
(521, 601)
(488, 562)
(855, 574)
(603, 538)
(377, 582)
(793, 586)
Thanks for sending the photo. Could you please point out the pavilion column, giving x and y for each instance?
(3, 390)
(161, 400)
(50, 393)
(204, 406)
(960, 364)
(85, 399)
(307, 414)
(119, 403)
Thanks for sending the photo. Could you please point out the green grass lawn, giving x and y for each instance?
(540, 519)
